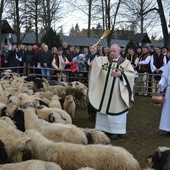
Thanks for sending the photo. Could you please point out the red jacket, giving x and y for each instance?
(73, 66)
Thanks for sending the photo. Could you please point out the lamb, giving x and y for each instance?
(31, 165)
(73, 156)
(54, 115)
(69, 105)
(53, 131)
(9, 136)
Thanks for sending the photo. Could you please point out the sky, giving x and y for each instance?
(80, 18)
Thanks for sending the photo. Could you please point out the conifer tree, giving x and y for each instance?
(51, 38)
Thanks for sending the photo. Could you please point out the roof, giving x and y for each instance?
(85, 41)
(6, 28)
(142, 38)
(27, 38)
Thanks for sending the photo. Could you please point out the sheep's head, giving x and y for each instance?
(8, 120)
(24, 99)
(160, 160)
(24, 144)
(38, 82)
(69, 99)
(55, 97)
(3, 109)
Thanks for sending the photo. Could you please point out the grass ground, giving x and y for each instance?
(143, 135)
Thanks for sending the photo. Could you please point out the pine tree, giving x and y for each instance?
(51, 39)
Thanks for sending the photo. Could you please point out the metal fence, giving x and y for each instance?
(145, 84)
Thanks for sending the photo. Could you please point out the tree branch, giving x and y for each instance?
(150, 10)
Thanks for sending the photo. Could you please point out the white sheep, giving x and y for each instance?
(69, 105)
(86, 168)
(12, 105)
(69, 88)
(53, 131)
(81, 94)
(55, 115)
(55, 102)
(4, 96)
(25, 98)
(73, 156)
(9, 121)
(31, 165)
(46, 94)
(96, 136)
(9, 136)
(57, 90)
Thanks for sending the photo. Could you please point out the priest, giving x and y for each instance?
(111, 81)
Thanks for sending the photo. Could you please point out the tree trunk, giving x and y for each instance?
(163, 23)
(141, 17)
(103, 16)
(109, 37)
(89, 18)
(1, 11)
(36, 21)
(18, 21)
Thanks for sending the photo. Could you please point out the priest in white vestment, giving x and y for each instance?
(111, 82)
(164, 84)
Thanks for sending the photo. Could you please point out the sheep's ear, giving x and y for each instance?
(9, 96)
(149, 159)
(51, 118)
(24, 140)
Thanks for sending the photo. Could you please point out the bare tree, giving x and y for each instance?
(51, 11)
(89, 16)
(163, 23)
(135, 12)
(1, 11)
(2, 7)
(109, 15)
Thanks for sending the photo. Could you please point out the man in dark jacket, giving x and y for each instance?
(45, 60)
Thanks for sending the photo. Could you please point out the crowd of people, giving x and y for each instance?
(147, 60)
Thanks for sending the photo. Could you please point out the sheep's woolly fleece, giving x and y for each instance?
(31, 165)
(74, 156)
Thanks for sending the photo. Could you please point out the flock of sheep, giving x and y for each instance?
(37, 131)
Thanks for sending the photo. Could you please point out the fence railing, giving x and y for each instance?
(145, 84)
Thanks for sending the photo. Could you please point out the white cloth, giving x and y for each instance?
(111, 124)
(146, 61)
(153, 67)
(165, 115)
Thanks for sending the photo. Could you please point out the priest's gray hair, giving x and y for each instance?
(116, 47)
